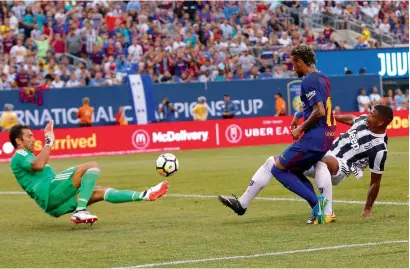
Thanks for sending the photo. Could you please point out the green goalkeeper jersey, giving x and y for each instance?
(35, 183)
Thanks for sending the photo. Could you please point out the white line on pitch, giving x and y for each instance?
(288, 199)
(200, 196)
(264, 254)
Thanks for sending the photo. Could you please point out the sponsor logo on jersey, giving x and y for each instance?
(368, 145)
(353, 139)
(311, 94)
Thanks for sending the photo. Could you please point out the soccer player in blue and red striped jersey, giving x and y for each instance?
(318, 134)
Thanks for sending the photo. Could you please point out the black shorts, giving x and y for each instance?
(85, 124)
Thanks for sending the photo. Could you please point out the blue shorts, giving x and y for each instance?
(297, 157)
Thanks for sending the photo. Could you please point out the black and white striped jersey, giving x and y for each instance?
(360, 148)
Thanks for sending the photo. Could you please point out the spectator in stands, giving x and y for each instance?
(200, 110)
(365, 37)
(375, 98)
(389, 100)
(120, 118)
(167, 111)
(400, 99)
(98, 80)
(384, 27)
(85, 113)
(280, 105)
(57, 82)
(328, 31)
(218, 31)
(5, 83)
(337, 111)
(73, 82)
(8, 118)
(363, 101)
(228, 109)
(19, 51)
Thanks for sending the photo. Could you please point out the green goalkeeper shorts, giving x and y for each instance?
(63, 195)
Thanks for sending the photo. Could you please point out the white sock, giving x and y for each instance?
(323, 180)
(310, 173)
(259, 181)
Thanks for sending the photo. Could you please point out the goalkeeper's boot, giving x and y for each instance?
(232, 203)
(83, 216)
(156, 192)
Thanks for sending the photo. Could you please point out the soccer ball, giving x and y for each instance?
(167, 164)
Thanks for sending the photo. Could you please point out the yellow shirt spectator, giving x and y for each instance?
(4, 29)
(200, 112)
(8, 120)
(365, 33)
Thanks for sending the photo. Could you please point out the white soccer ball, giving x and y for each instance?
(167, 164)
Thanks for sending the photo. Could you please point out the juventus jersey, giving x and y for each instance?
(360, 148)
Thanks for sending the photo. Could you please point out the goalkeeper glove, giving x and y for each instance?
(49, 134)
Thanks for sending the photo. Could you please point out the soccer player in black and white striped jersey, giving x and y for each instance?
(363, 145)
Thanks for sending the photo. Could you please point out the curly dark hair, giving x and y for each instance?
(16, 132)
(386, 112)
(305, 53)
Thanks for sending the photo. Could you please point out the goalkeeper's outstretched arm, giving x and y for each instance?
(42, 159)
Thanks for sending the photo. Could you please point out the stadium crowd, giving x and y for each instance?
(181, 41)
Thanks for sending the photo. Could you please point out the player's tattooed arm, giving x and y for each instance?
(372, 193)
(317, 113)
(346, 119)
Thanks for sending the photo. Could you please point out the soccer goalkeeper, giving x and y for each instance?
(70, 191)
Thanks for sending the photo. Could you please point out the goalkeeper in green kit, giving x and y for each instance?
(70, 191)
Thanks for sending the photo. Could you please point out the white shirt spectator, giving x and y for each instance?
(135, 51)
(246, 62)
(226, 30)
(103, 3)
(375, 9)
(59, 84)
(14, 23)
(203, 78)
(284, 40)
(375, 98)
(366, 9)
(31, 68)
(337, 10)
(71, 84)
(59, 15)
(384, 28)
(178, 45)
(363, 102)
(19, 52)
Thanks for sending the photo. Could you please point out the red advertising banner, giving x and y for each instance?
(161, 137)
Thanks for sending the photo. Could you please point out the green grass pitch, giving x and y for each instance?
(193, 228)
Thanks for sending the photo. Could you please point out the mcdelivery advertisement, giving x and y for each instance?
(165, 137)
